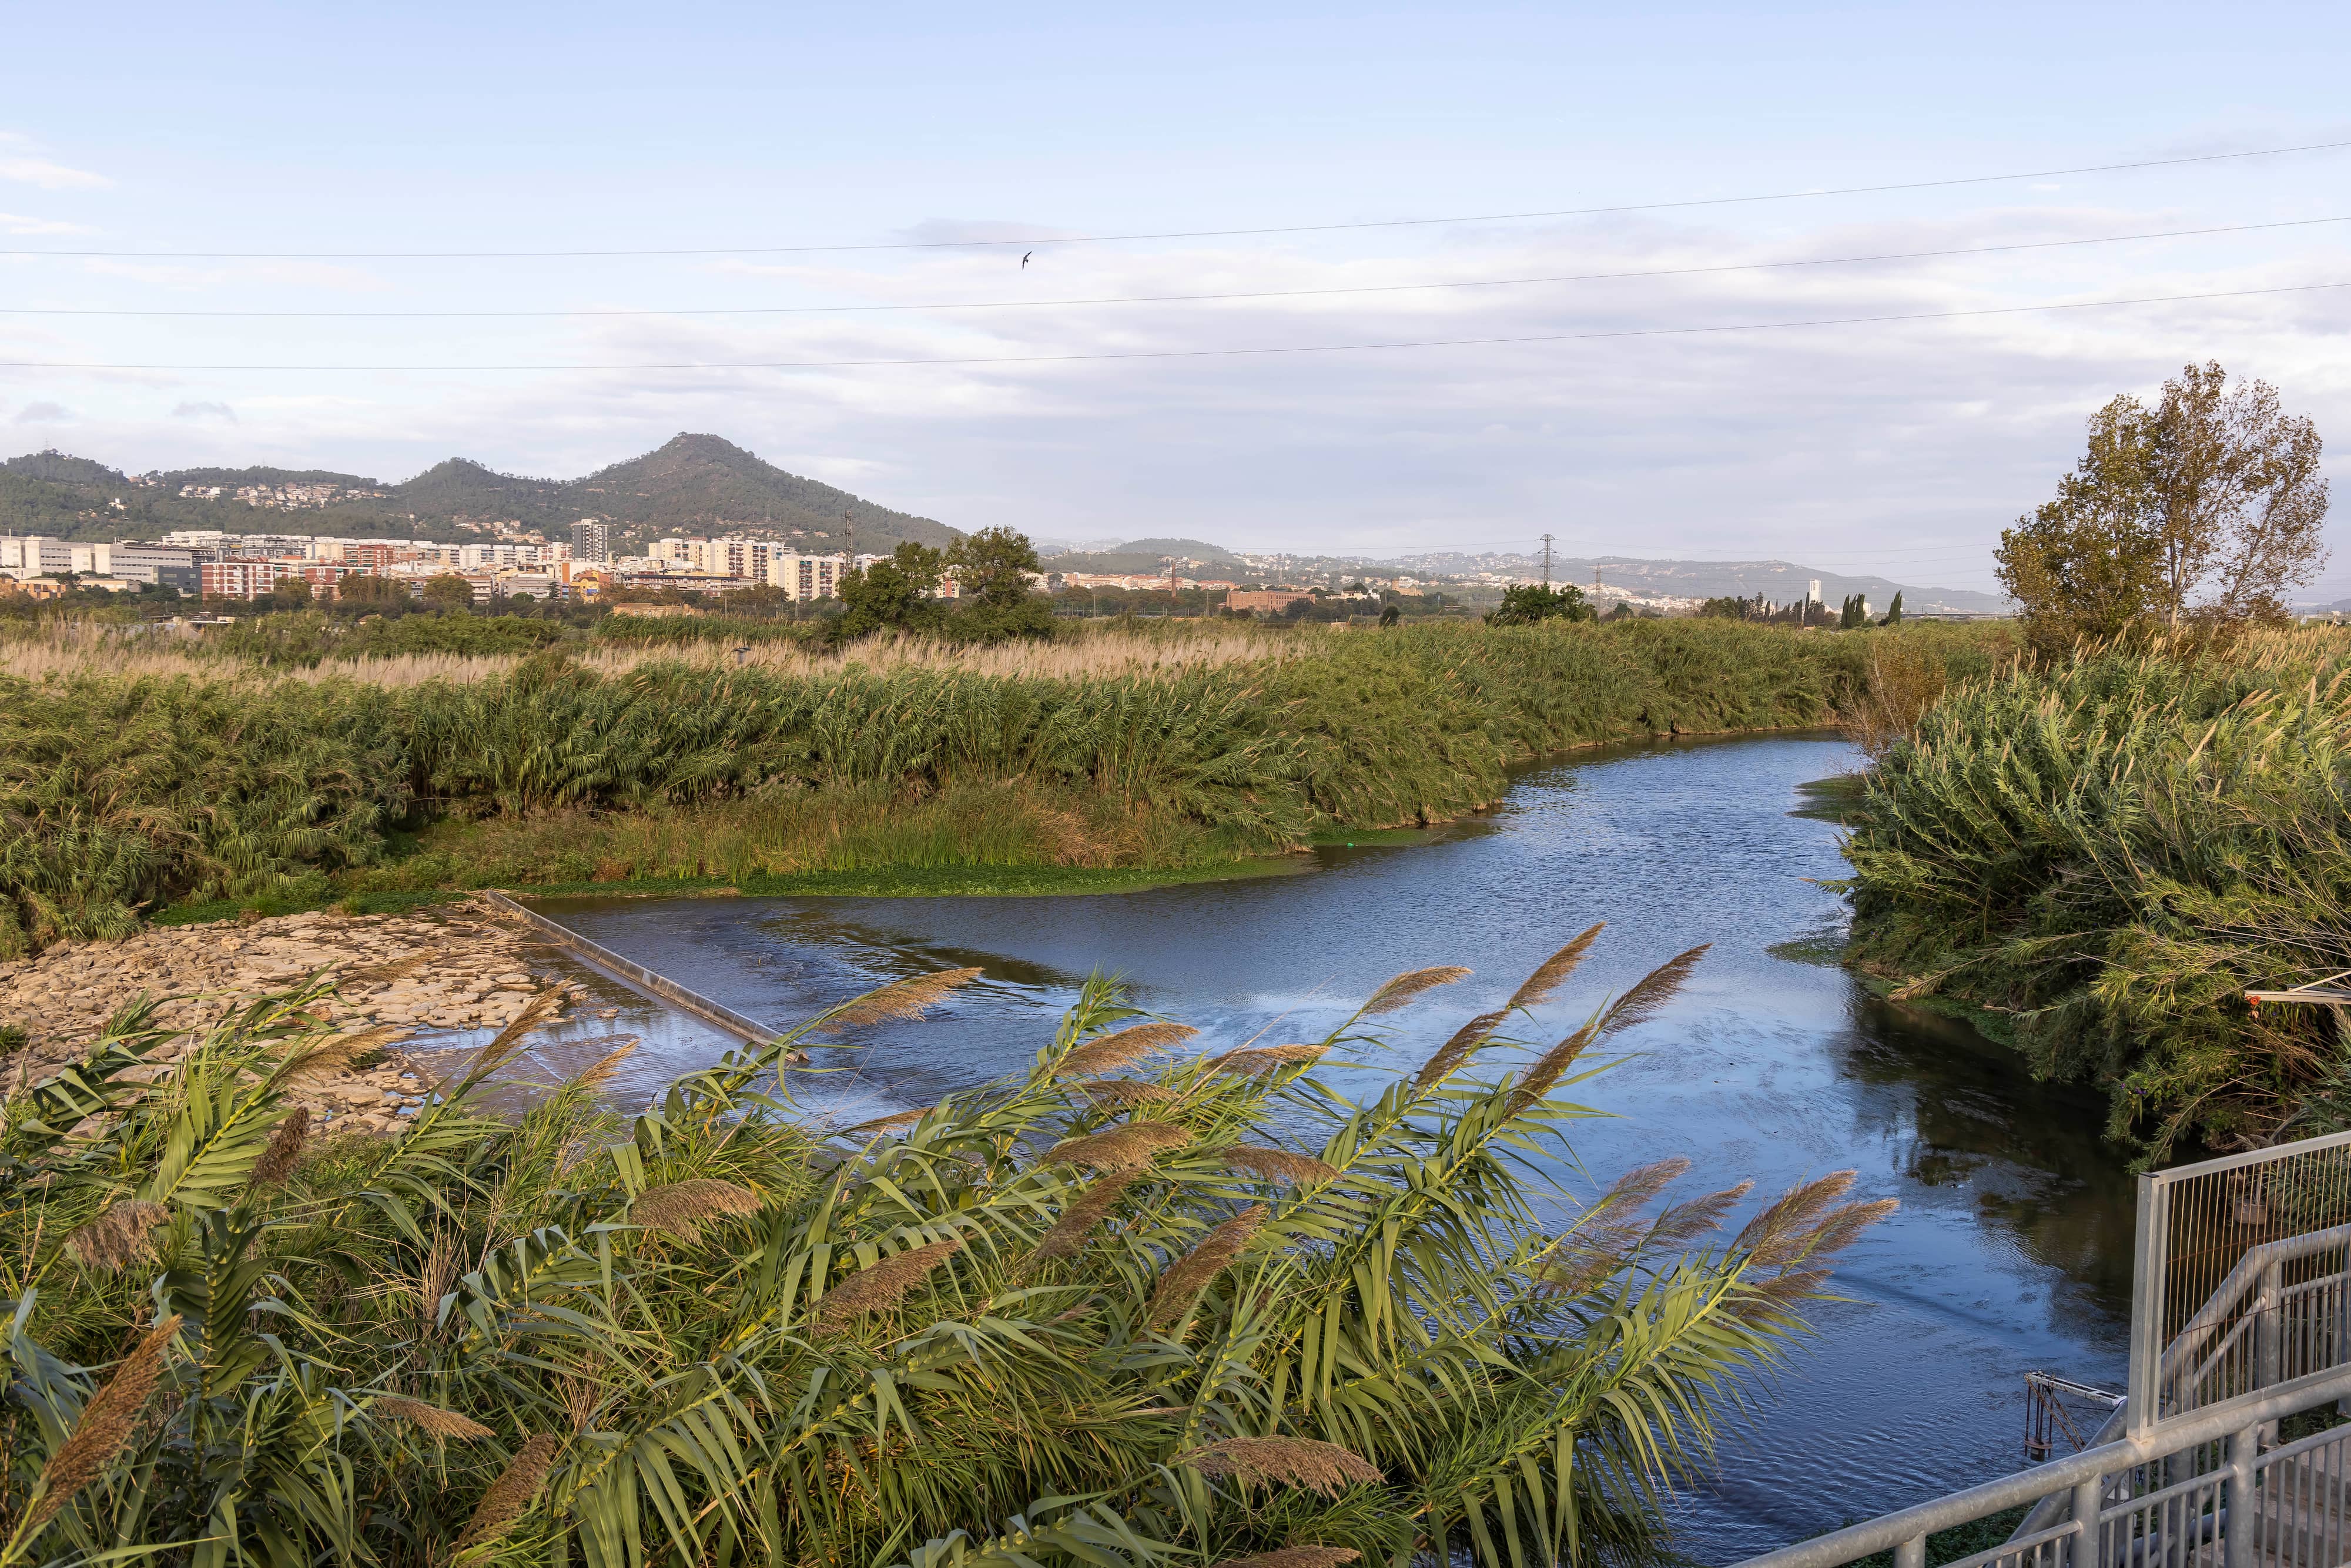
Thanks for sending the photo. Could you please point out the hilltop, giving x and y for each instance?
(692, 484)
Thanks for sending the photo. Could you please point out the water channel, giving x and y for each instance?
(2012, 1249)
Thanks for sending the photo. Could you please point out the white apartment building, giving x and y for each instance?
(804, 577)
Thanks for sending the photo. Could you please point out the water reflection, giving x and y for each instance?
(2012, 1249)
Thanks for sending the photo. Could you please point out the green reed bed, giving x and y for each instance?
(2108, 853)
(1096, 1315)
(124, 793)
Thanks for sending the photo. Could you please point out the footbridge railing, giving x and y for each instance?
(2241, 1320)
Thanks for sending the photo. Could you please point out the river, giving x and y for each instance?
(2013, 1245)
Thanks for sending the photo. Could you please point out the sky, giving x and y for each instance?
(825, 170)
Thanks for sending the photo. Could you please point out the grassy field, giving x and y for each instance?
(2106, 854)
(1086, 1315)
(134, 778)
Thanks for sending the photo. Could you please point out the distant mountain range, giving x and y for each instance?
(692, 483)
(1780, 581)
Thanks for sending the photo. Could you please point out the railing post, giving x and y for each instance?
(2241, 1526)
(2089, 1502)
(1911, 1553)
(2144, 1385)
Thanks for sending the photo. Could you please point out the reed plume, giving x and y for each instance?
(1190, 1274)
(1276, 1165)
(1400, 991)
(1772, 1233)
(1551, 1066)
(905, 1000)
(118, 1237)
(870, 1290)
(1649, 994)
(1250, 1061)
(1307, 1462)
(1121, 1048)
(104, 1429)
(1553, 971)
(428, 1418)
(334, 1053)
(1699, 1217)
(1077, 1221)
(599, 1073)
(1457, 1049)
(681, 1208)
(891, 1122)
(276, 1161)
(510, 1495)
(1127, 1147)
(1125, 1094)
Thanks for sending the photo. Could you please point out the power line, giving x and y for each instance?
(980, 360)
(1187, 234)
(1168, 298)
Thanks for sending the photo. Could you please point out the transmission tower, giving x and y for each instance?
(1546, 542)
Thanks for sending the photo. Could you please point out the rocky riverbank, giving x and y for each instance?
(464, 966)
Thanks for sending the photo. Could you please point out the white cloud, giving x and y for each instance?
(16, 224)
(50, 177)
(212, 410)
(43, 413)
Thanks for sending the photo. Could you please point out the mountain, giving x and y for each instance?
(692, 483)
(1147, 556)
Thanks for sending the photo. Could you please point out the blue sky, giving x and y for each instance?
(1895, 448)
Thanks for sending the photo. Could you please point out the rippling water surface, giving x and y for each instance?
(2012, 1249)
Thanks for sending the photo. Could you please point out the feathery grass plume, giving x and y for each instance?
(118, 1237)
(1117, 1050)
(1318, 1467)
(1699, 1217)
(1771, 1235)
(1455, 1052)
(1845, 1225)
(1276, 1165)
(104, 1429)
(335, 1053)
(681, 1208)
(1583, 1257)
(1123, 1148)
(502, 1045)
(392, 969)
(891, 1122)
(1085, 1211)
(1651, 992)
(905, 1000)
(600, 1072)
(276, 1161)
(1550, 1066)
(1190, 1274)
(428, 1418)
(1642, 1182)
(1401, 990)
(1253, 1060)
(509, 1495)
(1553, 971)
(1775, 1298)
(1296, 1557)
(870, 1290)
(1124, 1092)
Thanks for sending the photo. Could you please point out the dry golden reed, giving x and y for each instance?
(1252, 1060)
(1278, 1165)
(1114, 1050)
(1456, 1050)
(903, 1000)
(1776, 1226)
(1077, 1221)
(1700, 1216)
(600, 1072)
(118, 1237)
(681, 1208)
(509, 1495)
(1401, 990)
(870, 1290)
(1318, 1467)
(891, 1123)
(1125, 1094)
(276, 1161)
(104, 1429)
(1128, 1147)
(335, 1053)
(1553, 971)
(1651, 992)
(429, 1419)
(1190, 1274)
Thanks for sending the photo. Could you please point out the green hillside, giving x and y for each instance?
(692, 483)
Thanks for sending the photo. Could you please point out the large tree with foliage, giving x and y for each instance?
(2208, 504)
(892, 594)
(1532, 601)
(992, 566)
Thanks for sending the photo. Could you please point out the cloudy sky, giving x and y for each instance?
(817, 178)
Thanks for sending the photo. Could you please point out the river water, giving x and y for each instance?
(2012, 1249)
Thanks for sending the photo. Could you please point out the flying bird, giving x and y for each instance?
(1024, 260)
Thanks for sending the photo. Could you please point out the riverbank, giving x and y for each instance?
(1114, 762)
(2104, 855)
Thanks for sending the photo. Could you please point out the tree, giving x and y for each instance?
(2208, 504)
(290, 593)
(1853, 613)
(891, 593)
(1893, 616)
(991, 566)
(450, 591)
(1726, 608)
(1532, 601)
(367, 589)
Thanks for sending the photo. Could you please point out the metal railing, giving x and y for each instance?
(2240, 1318)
